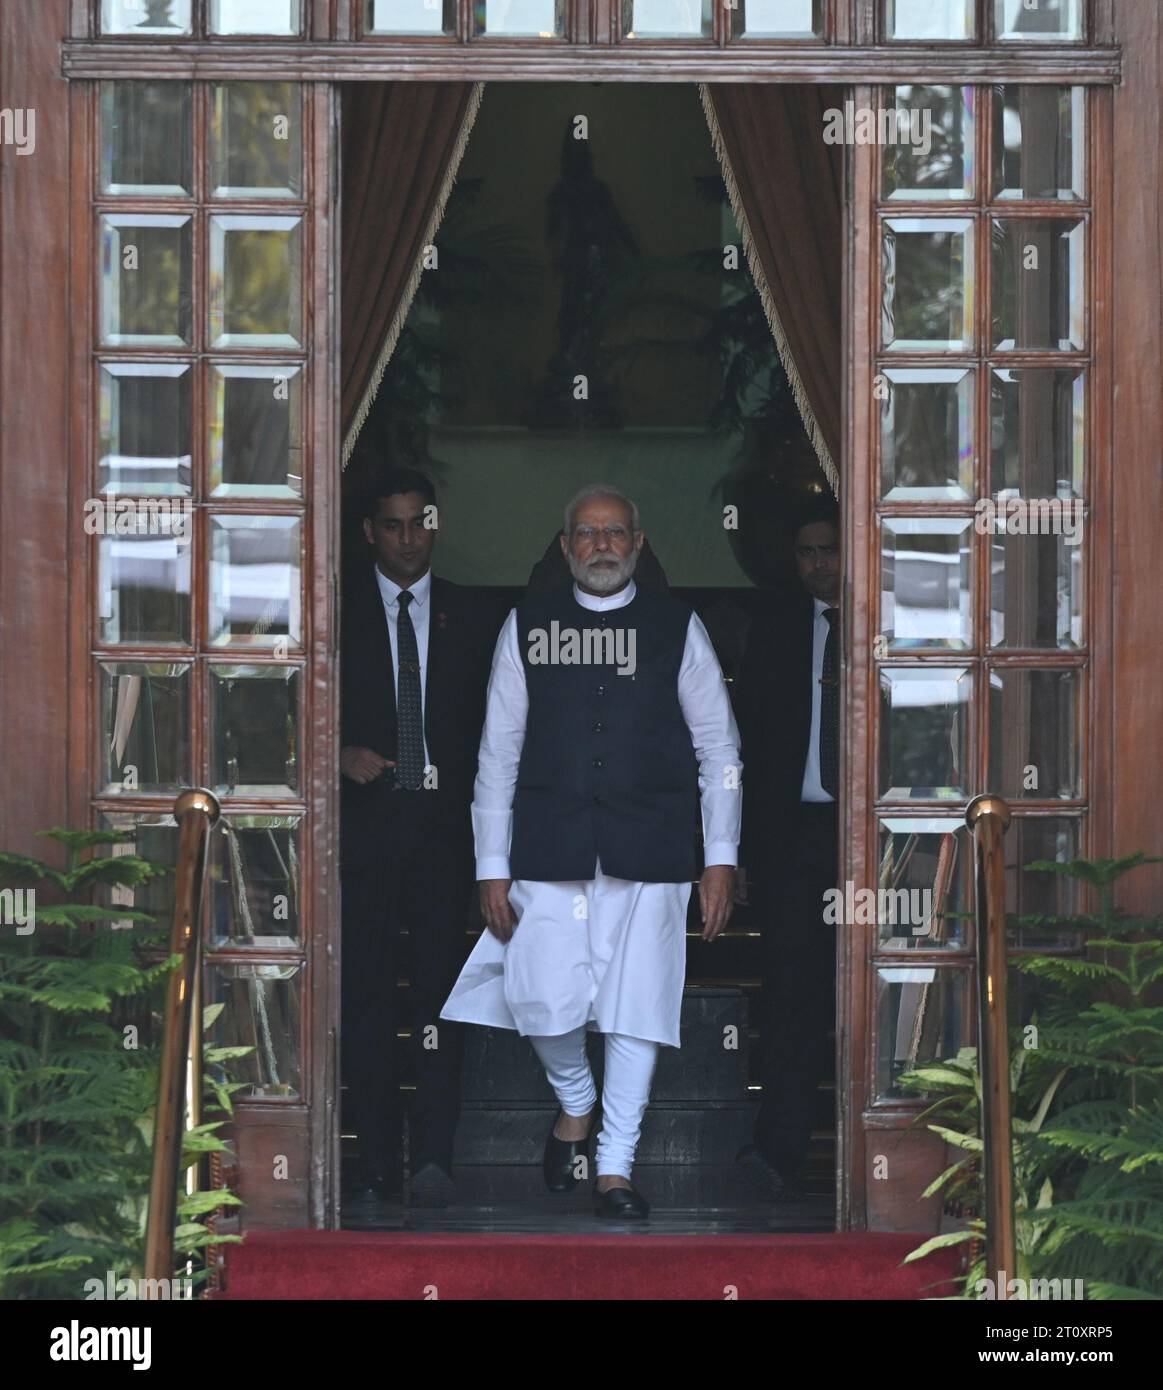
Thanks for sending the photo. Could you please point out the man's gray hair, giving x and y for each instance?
(595, 490)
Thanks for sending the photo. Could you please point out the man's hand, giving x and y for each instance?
(496, 908)
(362, 765)
(716, 898)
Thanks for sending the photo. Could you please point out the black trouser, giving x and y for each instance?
(798, 998)
(422, 881)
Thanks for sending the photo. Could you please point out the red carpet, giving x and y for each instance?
(390, 1265)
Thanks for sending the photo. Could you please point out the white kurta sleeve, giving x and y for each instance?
(706, 707)
(500, 754)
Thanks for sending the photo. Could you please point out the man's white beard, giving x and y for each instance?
(605, 578)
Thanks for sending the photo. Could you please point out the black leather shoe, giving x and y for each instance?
(621, 1204)
(431, 1186)
(766, 1180)
(366, 1192)
(559, 1163)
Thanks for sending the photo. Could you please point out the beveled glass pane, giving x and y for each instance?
(929, 153)
(256, 140)
(1034, 733)
(644, 19)
(145, 280)
(931, 860)
(254, 598)
(1030, 840)
(410, 17)
(1038, 284)
(1039, 431)
(143, 588)
(1038, 21)
(263, 1005)
(921, 1017)
(254, 730)
(254, 882)
(256, 430)
(156, 841)
(256, 17)
(543, 18)
(1039, 142)
(144, 430)
(144, 18)
(146, 138)
(929, 19)
(926, 594)
(144, 740)
(926, 434)
(778, 19)
(256, 281)
(928, 284)
(1036, 584)
(924, 732)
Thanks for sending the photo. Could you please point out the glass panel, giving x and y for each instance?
(1039, 434)
(146, 138)
(255, 17)
(1039, 146)
(926, 434)
(1038, 285)
(930, 147)
(145, 726)
(929, 19)
(263, 1007)
(543, 18)
(256, 431)
(143, 588)
(254, 882)
(410, 17)
(1045, 21)
(920, 1017)
(145, 280)
(144, 444)
(778, 19)
(1037, 583)
(928, 284)
(924, 732)
(1034, 733)
(155, 840)
(644, 19)
(1028, 840)
(254, 717)
(256, 281)
(256, 140)
(926, 597)
(931, 860)
(170, 18)
(254, 581)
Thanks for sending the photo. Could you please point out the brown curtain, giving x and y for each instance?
(786, 189)
(402, 145)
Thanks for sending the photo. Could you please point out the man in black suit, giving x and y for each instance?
(415, 660)
(789, 718)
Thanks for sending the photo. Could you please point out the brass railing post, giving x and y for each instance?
(988, 818)
(195, 812)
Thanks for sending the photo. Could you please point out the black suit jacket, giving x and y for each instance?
(461, 634)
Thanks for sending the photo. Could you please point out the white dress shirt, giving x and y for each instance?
(813, 788)
(419, 611)
(705, 705)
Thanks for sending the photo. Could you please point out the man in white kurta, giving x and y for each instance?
(598, 951)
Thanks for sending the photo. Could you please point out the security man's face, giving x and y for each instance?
(402, 542)
(817, 552)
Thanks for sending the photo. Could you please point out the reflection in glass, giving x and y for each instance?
(145, 726)
(263, 1004)
(143, 588)
(410, 17)
(256, 430)
(928, 19)
(1048, 21)
(926, 434)
(254, 730)
(930, 859)
(146, 138)
(144, 428)
(543, 18)
(1034, 732)
(1038, 285)
(256, 281)
(932, 156)
(926, 597)
(254, 581)
(1029, 840)
(255, 17)
(645, 19)
(1036, 586)
(920, 1018)
(927, 294)
(254, 882)
(924, 732)
(777, 19)
(1039, 145)
(256, 140)
(155, 839)
(138, 18)
(1038, 427)
(145, 280)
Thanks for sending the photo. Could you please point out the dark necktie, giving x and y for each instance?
(409, 715)
(830, 708)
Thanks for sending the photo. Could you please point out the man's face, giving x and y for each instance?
(601, 549)
(817, 552)
(403, 544)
